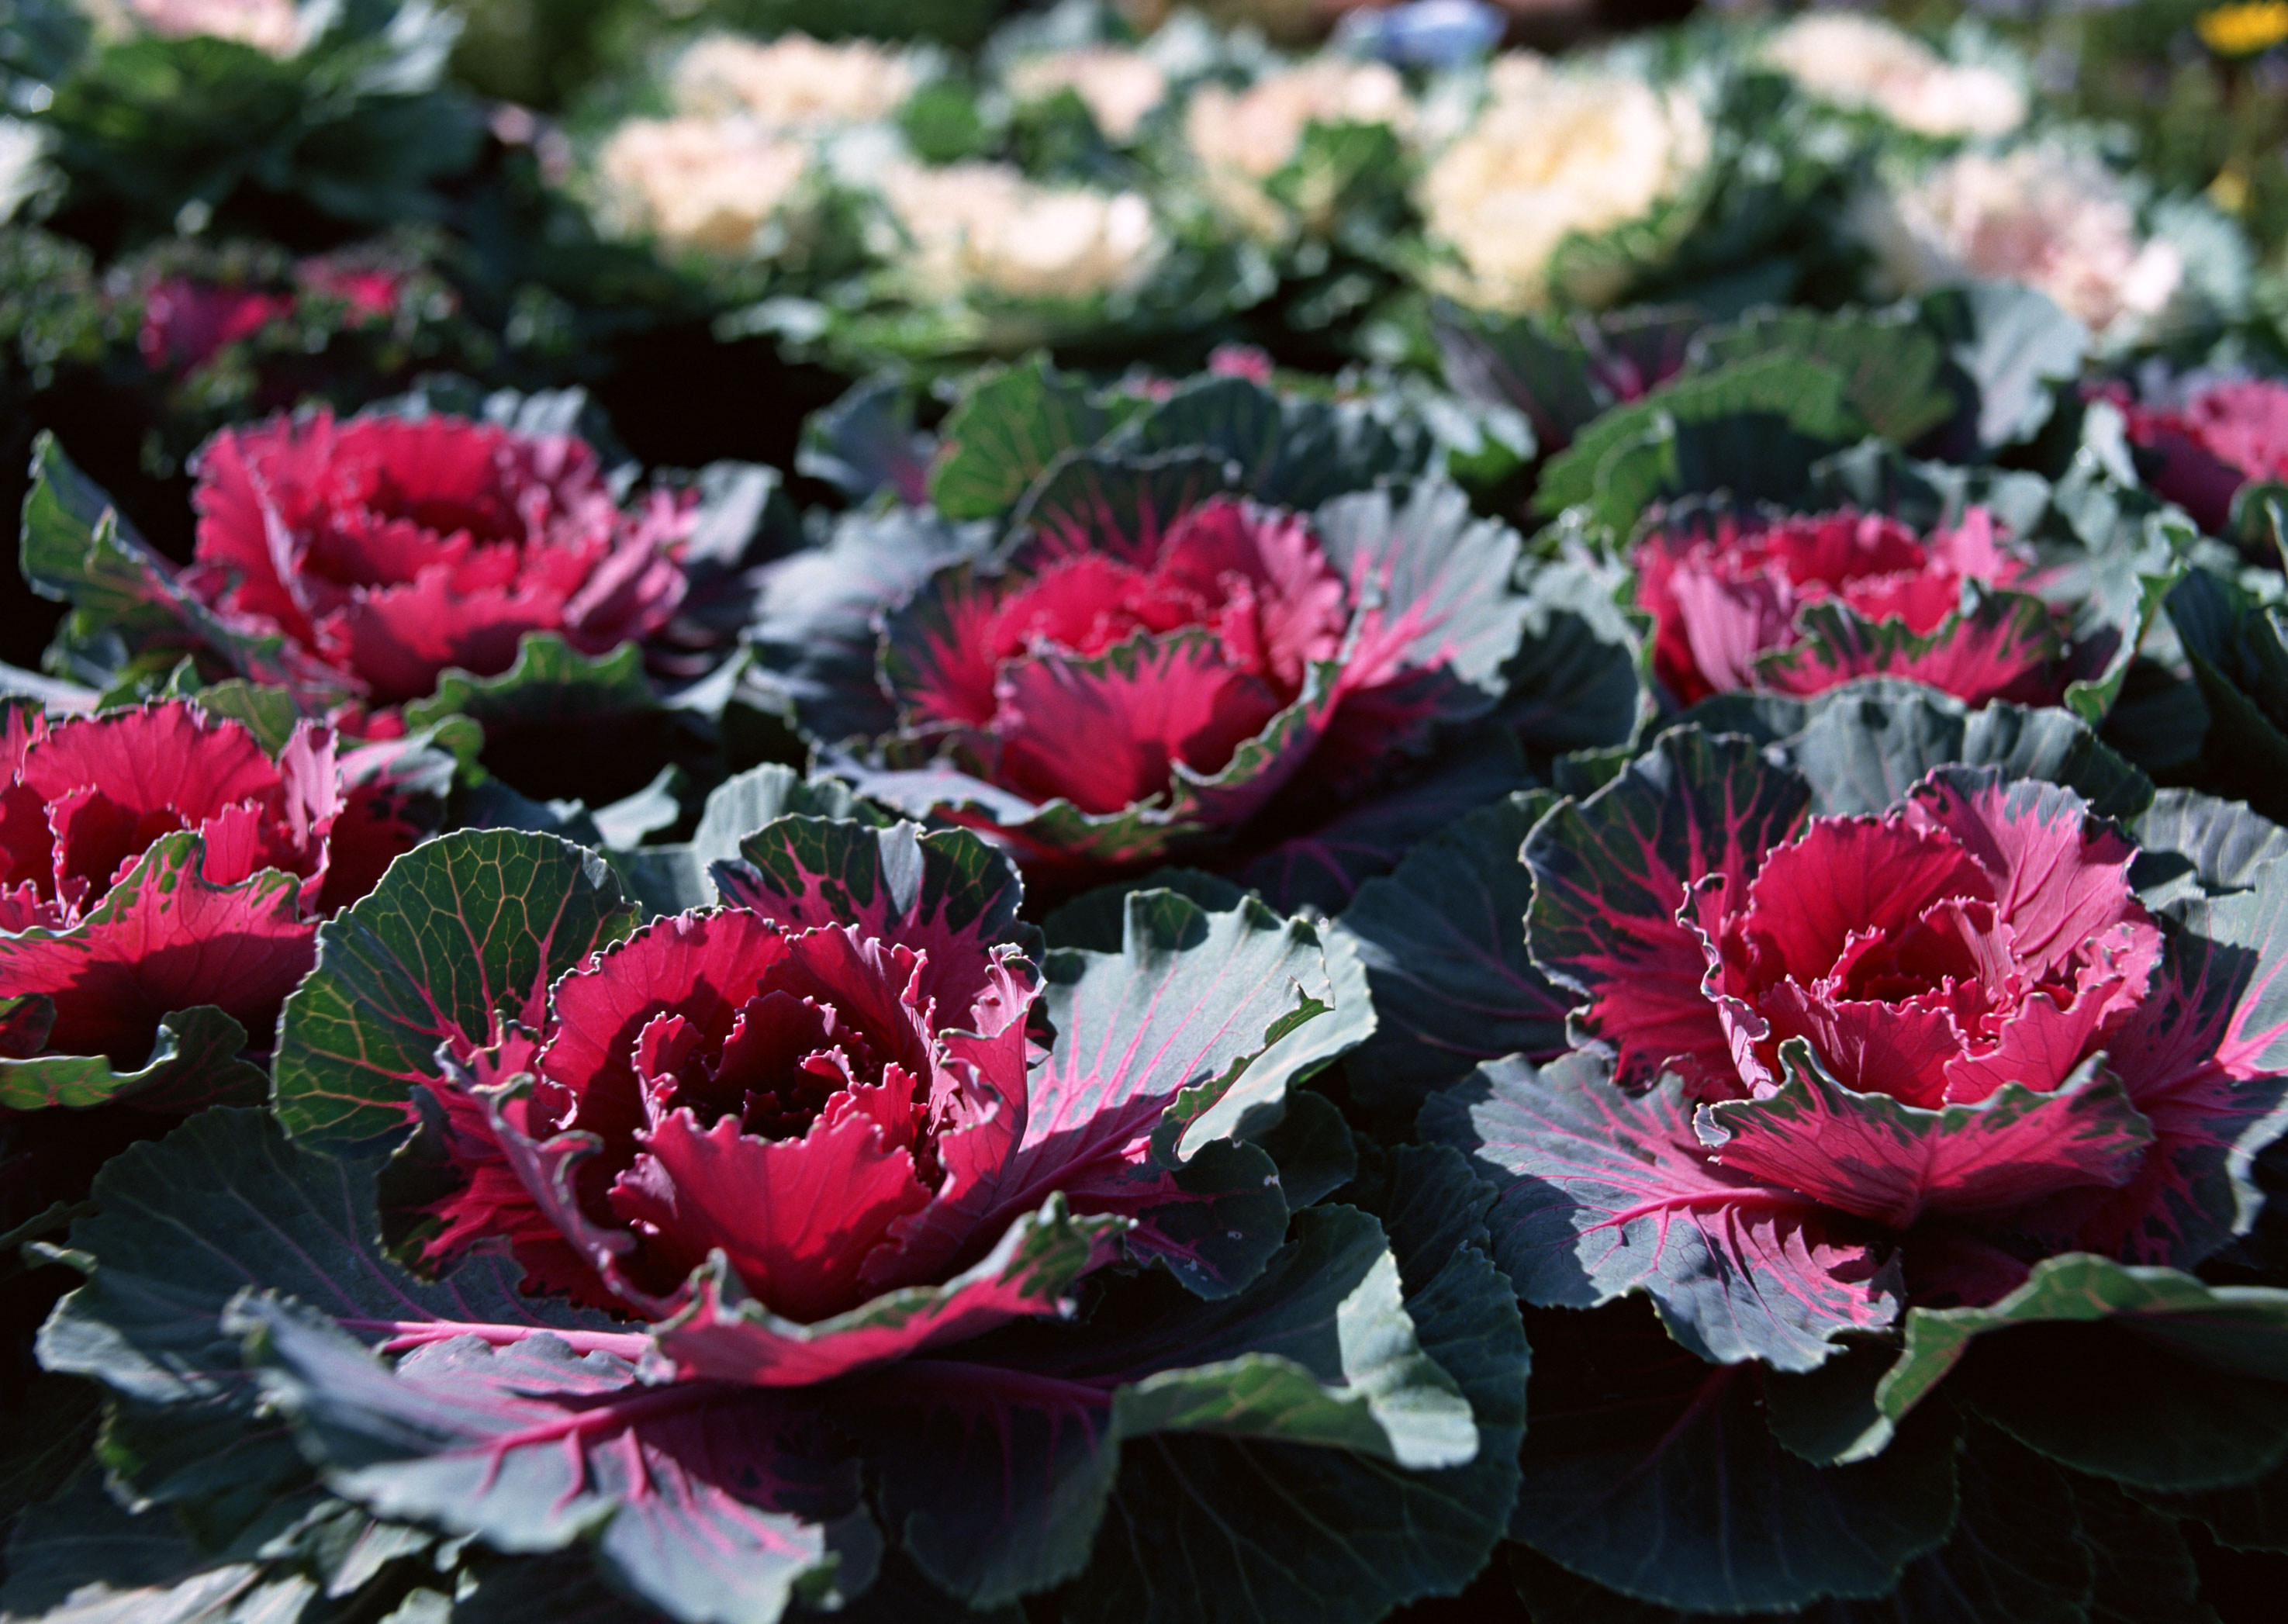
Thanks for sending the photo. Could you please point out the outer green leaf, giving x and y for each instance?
(2116, 572)
(77, 548)
(1322, 865)
(229, 1477)
(47, 1437)
(2024, 1548)
(1576, 682)
(1138, 1023)
(1561, 379)
(1235, 417)
(1110, 496)
(270, 714)
(1292, 451)
(1442, 940)
(80, 1559)
(1862, 745)
(1890, 362)
(2192, 844)
(1753, 428)
(866, 442)
(1368, 1387)
(1655, 1475)
(2147, 1376)
(1421, 573)
(1300, 1053)
(697, 1495)
(1004, 432)
(814, 626)
(550, 678)
(1312, 1147)
(675, 878)
(2171, 1423)
(462, 933)
(993, 1460)
(563, 1587)
(560, 722)
(194, 1062)
(2253, 1516)
(2239, 653)
(1098, 920)
(225, 1203)
(2013, 344)
(227, 1207)
(353, 125)
(566, 1588)
(1255, 1529)
(2140, 1566)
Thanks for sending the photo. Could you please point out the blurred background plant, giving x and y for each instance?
(715, 214)
(2197, 90)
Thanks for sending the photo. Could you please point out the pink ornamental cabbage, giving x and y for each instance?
(1799, 604)
(1126, 687)
(1860, 1064)
(158, 860)
(1216, 629)
(816, 1129)
(2216, 438)
(388, 549)
(832, 1091)
(187, 322)
(369, 292)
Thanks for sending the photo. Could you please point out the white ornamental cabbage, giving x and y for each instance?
(1120, 87)
(793, 82)
(1241, 139)
(972, 228)
(2052, 217)
(1553, 155)
(721, 187)
(1863, 64)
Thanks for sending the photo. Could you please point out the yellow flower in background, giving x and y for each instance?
(2244, 30)
(2229, 190)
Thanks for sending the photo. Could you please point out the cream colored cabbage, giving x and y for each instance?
(1863, 63)
(2052, 217)
(974, 227)
(1553, 153)
(270, 26)
(794, 82)
(1241, 139)
(1119, 87)
(712, 185)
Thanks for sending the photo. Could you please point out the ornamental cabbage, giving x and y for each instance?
(161, 878)
(2209, 438)
(1133, 681)
(1801, 603)
(388, 549)
(1858, 1065)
